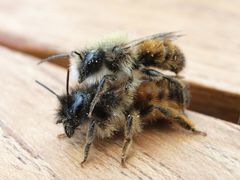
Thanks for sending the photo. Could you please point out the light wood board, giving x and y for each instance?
(29, 148)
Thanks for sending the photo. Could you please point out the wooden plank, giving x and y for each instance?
(18, 159)
(215, 102)
(211, 45)
(30, 148)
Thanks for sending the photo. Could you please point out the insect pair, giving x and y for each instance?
(119, 90)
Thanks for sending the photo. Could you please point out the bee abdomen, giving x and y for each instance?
(162, 54)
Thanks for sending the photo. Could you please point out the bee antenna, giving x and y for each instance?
(67, 82)
(56, 56)
(50, 90)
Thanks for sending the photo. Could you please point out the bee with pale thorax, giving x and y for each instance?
(147, 99)
(113, 59)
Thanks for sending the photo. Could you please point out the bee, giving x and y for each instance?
(114, 59)
(147, 100)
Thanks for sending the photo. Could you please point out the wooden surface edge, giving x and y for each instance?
(214, 102)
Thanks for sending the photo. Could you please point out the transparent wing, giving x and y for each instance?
(159, 36)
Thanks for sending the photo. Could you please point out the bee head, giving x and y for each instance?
(72, 107)
(87, 63)
(72, 111)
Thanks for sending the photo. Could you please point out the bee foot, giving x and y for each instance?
(82, 163)
(200, 133)
(123, 164)
(61, 136)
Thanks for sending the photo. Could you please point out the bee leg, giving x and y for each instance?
(180, 119)
(89, 140)
(61, 136)
(158, 76)
(102, 87)
(152, 74)
(128, 83)
(127, 139)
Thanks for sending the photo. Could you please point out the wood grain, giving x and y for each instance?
(29, 147)
(41, 28)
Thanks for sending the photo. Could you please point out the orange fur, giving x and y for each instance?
(154, 48)
(152, 94)
(162, 54)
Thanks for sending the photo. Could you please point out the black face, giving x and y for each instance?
(73, 111)
(92, 62)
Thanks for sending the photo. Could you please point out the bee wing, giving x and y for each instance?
(159, 36)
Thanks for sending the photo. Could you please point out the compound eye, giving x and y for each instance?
(118, 52)
(79, 54)
(93, 61)
(116, 49)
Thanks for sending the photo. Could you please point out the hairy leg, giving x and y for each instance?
(153, 74)
(128, 83)
(132, 127)
(127, 139)
(89, 140)
(103, 87)
(180, 119)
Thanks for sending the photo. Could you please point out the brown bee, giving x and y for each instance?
(114, 58)
(146, 100)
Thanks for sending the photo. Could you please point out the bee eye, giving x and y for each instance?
(118, 52)
(78, 53)
(116, 49)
